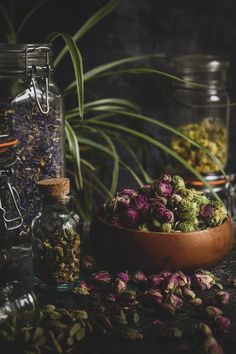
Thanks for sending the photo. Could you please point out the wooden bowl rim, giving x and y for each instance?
(152, 233)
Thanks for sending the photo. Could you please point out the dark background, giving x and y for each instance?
(173, 27)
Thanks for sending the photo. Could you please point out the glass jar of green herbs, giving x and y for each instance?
(200, 110)
(56, 232)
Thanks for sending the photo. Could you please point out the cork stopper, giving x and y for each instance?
(54, 187)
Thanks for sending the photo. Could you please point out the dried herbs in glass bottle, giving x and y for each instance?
(56, 235)
(32, 102)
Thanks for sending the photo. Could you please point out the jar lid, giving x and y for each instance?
(54, 187)
(201, 68)
(16, 58)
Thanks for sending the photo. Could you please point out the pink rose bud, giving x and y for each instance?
(139, 277)
(203, 281)
(123, 276)
(155, 296)
(184, 280)
(102, 277)
(120, 286)
(129, 192)
(169, 309)
(223, 323)
(197, 301)
(130, 218)
(88, 263)
(203, 328)
(155, 280)
(211, 346)
(165, 189)
(223, 297)
(175, 301)
(166, 178)
(172, 282)
(86, 285)
(123, 202)
(188, 293)
(213, 311)
(168, 216)
(157, 322)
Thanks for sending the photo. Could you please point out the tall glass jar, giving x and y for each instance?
(201, 111)
(32, 102)
(56, 243)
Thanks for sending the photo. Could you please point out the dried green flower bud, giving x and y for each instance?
(186, 226)
(187, 210)
(166, 227)
(178, 183)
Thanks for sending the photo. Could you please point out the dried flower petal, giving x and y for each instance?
(223, 297)
(223, 323)
(102, 277)
(213, 311)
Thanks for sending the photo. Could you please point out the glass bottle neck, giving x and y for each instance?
(55, 203)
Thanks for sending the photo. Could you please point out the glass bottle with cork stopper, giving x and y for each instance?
(56, 233)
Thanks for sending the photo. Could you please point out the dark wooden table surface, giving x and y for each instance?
(21, 269)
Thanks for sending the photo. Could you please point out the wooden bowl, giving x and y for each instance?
(117, 248)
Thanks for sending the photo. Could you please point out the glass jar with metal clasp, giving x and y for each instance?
(31, 101)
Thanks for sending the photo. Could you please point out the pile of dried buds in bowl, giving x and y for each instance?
(166, 206)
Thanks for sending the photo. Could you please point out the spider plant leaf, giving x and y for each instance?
(112, 101)
(27, 17)
(77, 65)
(115, 172)
(91, 22)
(174, 131)
(10, 33)
(98, 70)
(158, 144)
(75, 153)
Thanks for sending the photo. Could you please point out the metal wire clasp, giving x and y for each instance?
(30, 79)
(18, 220)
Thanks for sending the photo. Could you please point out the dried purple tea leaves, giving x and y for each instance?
(40, 152)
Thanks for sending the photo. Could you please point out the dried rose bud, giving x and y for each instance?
(123, 202)
(130, 218)
(223, 323)
(184, 280)
(128, 297)
(197, 301)
(173, 332)
(206, 211)
(232, 282)
(203, 281)
(138, 202)
(168, 216)
(164, 188)
(223, 297)
(86, 285)
(166, 178)
(204, 329)
(120, 286)
(147, 189)
(211, 346)
(188, 293)
(213, 311)
(158, 211)
(175, 301)
(123, 276)
(129, 192)
(155, 297)
(111, 297)
(102, 277)
(139, 277)
(172, 283)
(88, 263)
(169, 309)
(155, 280)
(157, 201)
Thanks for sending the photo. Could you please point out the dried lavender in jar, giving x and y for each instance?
(33, 106)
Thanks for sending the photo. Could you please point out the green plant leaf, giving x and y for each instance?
(91, 22)
(158, 144)
(77, 65)
(27, 17)
(75, 153)
(10, 34)
(112, 101)
(98, 70)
